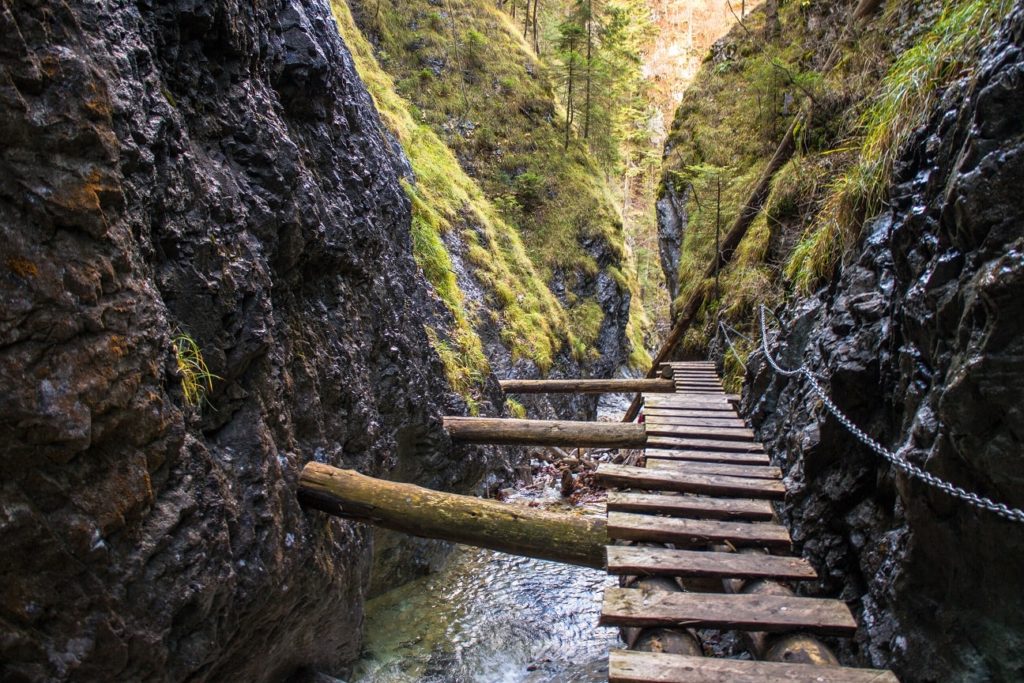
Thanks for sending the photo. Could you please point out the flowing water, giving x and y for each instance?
(489, 617)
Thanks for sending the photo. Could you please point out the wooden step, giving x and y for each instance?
(707, 456)
(703, 444)
(723, 433)
(626, 476)
(635, 561)
(773, 613)
(690, 404)
(696, 507)
(627, 526)
(724, 469)
(625, 666)
(722, 421)
(683, 397)
(713, 414)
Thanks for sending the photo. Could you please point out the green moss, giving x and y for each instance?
(515, 408)
(907, 93)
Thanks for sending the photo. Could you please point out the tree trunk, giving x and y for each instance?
(586, 386)
(568, 96)
(590, 48)
(536, 42)
(501, 431)
(515, 529)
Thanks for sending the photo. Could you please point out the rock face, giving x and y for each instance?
(213, 169)
(921, 342)
(672, 218)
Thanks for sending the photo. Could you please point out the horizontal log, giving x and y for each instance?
(515, 529)
(623, 607)
(500, 431)
(586, 386)
(657, 667)
(696, 507)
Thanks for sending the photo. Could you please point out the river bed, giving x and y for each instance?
(489, 617)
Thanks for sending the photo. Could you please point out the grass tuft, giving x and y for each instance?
(196, 378)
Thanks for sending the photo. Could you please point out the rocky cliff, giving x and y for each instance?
(210, 173)
(919, 340)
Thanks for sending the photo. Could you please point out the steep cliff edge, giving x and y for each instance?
(920, 342)
(462, 75)
(212, 172)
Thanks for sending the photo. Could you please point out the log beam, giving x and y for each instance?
(515, 529)
(587, 386)
(508, 432)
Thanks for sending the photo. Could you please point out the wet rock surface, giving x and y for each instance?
(215, 169)
(920, 341)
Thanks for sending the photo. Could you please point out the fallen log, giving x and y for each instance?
(509, 432)
(587, 386)
(515, 529)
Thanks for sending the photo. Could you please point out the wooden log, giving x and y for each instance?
(672, 562)
(696, 507)
(515, 529)
(656, 667)
(707, 456)
(500, 431)
(586, 386)
(708, 484)
(624, 607)
(696, 532)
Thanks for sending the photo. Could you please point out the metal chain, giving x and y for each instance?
(896, 460)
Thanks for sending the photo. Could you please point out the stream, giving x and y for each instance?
(489, 617)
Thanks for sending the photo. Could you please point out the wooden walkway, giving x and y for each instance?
(707, 489)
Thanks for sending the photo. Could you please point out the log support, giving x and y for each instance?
(587, 386)
(515, 529)
(507, 432)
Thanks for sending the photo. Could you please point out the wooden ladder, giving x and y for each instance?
(706, 481)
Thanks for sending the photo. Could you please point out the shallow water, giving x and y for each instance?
(489, 617)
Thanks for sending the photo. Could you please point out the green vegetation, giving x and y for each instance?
(863, 111)
(445, 199)
(196, 378)
(494, 190)
(909, 90)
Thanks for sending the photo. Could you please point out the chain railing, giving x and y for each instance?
(895, 459)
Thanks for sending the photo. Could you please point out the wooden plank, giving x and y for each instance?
(704, 444)
(696, 507)
(682, 396)
(700, 432)
(688, 402)
(724, 469)
(635, 561)
(625, 666)
(708, 484)
(585, 386)
(708, 456)
(724, 421)
(627, 526)
(501, 431)
(710, 413)
(772, 613)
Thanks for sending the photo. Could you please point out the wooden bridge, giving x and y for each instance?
(701, 509)
(692, 534)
